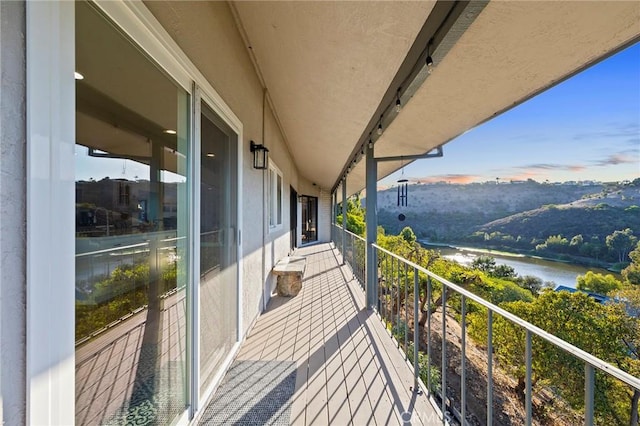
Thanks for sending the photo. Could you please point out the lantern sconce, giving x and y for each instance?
(260, 156)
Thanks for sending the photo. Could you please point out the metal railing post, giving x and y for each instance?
(463, 373)
(589, 394)
(443, 390)
(387, 289)
(429, 333)
(416, 331)
(490, 368)
(406, 314)
(371, 226)
(399, 277)
(528, 389)
(344, 218)
(592, 363)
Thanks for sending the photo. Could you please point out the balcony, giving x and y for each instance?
(347, 369)
(323, 358)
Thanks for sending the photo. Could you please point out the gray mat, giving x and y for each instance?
(253, 393)
(157, 398)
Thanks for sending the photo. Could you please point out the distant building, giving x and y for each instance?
(595, 296)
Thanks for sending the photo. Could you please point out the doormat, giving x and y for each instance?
(253, 393)
(157, 398)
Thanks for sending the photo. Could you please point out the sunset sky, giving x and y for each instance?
(586, 128)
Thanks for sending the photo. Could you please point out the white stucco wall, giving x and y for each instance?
(12, 214)
(207, 33)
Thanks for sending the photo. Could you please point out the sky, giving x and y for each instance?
(586, 128)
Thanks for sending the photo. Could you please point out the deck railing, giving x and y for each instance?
(354, 253)
(398, 290)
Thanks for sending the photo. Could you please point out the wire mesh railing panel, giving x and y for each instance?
(431, 329)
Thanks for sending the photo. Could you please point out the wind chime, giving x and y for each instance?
(403, 191)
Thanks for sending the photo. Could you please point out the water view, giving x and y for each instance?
(560, 273)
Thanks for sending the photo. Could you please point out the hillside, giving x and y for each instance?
(567, 220)
(516, 215)
(446, 211)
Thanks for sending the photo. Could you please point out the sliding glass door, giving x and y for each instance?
(132, 221)
(218, 244)
(156, 221)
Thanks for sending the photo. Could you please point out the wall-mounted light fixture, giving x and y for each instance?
(379, 131)
(260, 156)
(429, 60)
(398, 103)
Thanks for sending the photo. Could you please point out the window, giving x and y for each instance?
(275, 197)
(132, 258)
(124, 194)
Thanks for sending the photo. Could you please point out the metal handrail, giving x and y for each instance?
(358, 268)
(356, 236)
(109, 250)
(391, 267)
(577, 352)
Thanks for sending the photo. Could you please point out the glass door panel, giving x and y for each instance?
(309, 219)
(218, 245)
(131, 231)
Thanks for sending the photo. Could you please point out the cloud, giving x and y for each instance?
(627, 131)
(616, 159)
(532, 168)
(577, 168)
(520, 176)
(450, 178)
(634, 141)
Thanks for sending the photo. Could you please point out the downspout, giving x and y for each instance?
(264, 211)
(344, 218)
(371, 229)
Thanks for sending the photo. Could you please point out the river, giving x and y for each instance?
(560, 273)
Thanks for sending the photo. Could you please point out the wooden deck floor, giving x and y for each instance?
(348, 369)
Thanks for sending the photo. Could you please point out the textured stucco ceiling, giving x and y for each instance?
(328, 64)
(512, 51)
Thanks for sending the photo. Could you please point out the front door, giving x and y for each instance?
(293, 218)
(309, 207)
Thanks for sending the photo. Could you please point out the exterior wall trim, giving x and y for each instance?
(50, 351)
(145, 30)
(50, 104)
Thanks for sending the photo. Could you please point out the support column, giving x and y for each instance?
(334, 210)
(13, 210)
(372, 228)
(344, 218)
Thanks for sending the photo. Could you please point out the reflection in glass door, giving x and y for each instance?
(309, 219)
(218, 245)
(131, 231)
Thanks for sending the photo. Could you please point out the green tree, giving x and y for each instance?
(555, 243)
(576, 243)
(631, 273)
(597, 283)
(533, 284)
(355, 216)
(484, 263)
(576, 318)
(503, 271)
(487, 264)
(628, 303)
(408, 235)
(621, 243)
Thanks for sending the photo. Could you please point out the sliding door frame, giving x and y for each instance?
(50, 345)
